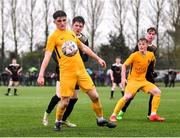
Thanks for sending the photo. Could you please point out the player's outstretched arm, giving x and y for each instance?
(44, 64)
(90, 53)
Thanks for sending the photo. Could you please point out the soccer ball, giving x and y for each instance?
(69, 48)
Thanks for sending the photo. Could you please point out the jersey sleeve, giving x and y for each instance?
(19, 66)
(154, 59)
(84, 56)
(112, 67)
(9, 67)
(86, 42)
(51, 43)
(129, 60)
(78, 41)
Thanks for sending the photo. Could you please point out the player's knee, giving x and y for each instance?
(95, 98)
(112, 88)
(64, 102)
(75, 96)
(156, 92)
(127, 96)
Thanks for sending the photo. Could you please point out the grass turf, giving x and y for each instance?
(21, 116)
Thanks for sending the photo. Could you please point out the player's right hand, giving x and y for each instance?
(40, 81)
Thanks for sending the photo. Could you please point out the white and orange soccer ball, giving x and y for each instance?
(69, 48)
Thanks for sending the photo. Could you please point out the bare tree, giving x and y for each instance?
(75, 6)
(175, 21)
(29, 21)
(31, 36)
(46, 21)
(94, 9)
(2, 34)
(157, 17)
(136, 13)
(119, 10)
(59, 4)
(15, 16)
(15, 24)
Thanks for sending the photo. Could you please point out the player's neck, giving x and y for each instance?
(150, 43)
(61, 30)
(143, 52)
(117, 63)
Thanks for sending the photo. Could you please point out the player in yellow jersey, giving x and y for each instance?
(78, 23)
(139, 62)
(72, 70)
(150, 75)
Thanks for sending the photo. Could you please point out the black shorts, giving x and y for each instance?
(14, 78)
(117, 80)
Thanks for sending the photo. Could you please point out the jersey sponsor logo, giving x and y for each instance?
(140, 70)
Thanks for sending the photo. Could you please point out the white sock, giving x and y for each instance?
(153, 113)
(113, 114)
(58, 120)
(100, 118)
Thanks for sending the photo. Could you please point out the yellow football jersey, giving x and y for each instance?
(56, 41)
(139, 64)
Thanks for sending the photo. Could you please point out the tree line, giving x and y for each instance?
(26, 24)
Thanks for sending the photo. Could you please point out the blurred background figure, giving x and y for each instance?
(14, 70)
(172, 78)
(166, 79)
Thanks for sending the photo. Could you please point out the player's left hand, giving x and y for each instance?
(102, 63)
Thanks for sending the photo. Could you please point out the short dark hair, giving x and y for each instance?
(59, 13)
(79, 19)
(143, 39)
(151, 29)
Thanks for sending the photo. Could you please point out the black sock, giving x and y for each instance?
(15, 90)
(150, 104)
(126, 105)
(122, 92)
(112, 93)
(54, 100)
(8, 91)
(69, 109)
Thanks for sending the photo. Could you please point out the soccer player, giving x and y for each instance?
(115, 75)
(77, 26)
(139, 62)
(72, 70)
(13, 69)
(150, 75)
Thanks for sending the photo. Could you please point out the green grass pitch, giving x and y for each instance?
(21, 116)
